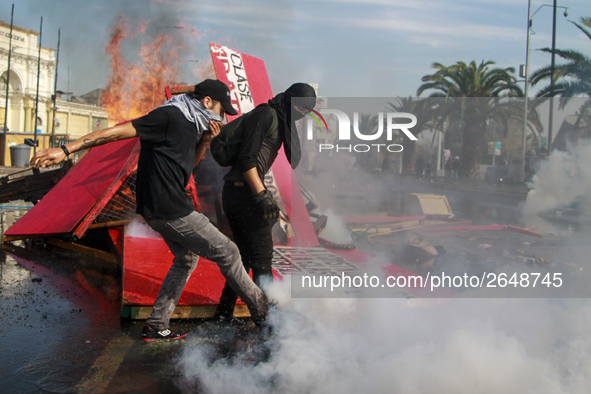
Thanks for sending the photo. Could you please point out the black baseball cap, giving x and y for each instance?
(217, 90)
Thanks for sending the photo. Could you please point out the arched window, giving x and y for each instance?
(15, 82)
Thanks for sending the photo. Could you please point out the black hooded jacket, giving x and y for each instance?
(259, 150)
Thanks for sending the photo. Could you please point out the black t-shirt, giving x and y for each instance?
(257, 148)
(167, 156)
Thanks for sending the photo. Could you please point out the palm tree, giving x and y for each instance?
(472, 95)
(423, 109)
(574, 77)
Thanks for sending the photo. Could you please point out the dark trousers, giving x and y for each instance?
(253, 236)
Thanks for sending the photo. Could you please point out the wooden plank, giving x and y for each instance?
(433, 222)
(427, 204)
(491, 227)
(181, 312)
(10, 238)
(386, 227)
(109, 224)
(182, 89)
(371, 232)
(371, 215)
(99, 254)
(386, 219)
(524, 231)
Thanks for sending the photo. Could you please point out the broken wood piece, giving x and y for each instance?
(109, 224)
(99, 254)
(524, 231)
(10, 238)
(354, 220)
(182, 89)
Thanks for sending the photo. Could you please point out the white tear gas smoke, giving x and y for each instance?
(140, 230)
(409, 346)
(561, 180)
(335, 229)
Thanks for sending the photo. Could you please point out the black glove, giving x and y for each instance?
(267, 205)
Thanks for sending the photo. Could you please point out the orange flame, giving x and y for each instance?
(135, 88)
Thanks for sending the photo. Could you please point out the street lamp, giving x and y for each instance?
(526, 76)
(548, 5)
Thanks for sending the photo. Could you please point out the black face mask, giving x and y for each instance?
(295, 114)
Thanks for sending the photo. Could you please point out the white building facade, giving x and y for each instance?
(71, 120)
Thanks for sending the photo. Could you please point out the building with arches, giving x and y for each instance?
(72, 120)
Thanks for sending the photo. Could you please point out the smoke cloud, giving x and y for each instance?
(141, 230)
(408, 346)
(350, 345)
(561, 180)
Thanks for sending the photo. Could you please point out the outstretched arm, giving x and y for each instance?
(48, 157)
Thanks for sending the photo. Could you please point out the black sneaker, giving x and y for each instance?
(150, 334)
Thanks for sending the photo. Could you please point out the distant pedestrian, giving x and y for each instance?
(429, 170)
(455, 166)
(419, 168)
(448, 168)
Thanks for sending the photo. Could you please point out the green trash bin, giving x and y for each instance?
(20, 155)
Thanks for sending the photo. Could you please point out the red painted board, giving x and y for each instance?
(258, 79)
(245, 75)
(116, 236)
(74, 196)
(146, 261)
(129, 166)
(293, 202)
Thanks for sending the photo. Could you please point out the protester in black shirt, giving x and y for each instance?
(249, 206)
(173, 139)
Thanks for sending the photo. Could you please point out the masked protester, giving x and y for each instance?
(249, 206)
(173, 139)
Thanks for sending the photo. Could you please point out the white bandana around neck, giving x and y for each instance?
(194, 111)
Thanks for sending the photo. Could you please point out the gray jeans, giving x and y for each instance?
(188, 238)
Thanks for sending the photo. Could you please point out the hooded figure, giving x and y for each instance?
(249, 206)
(287, 116)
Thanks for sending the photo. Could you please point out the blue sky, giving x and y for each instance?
(350, 48)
